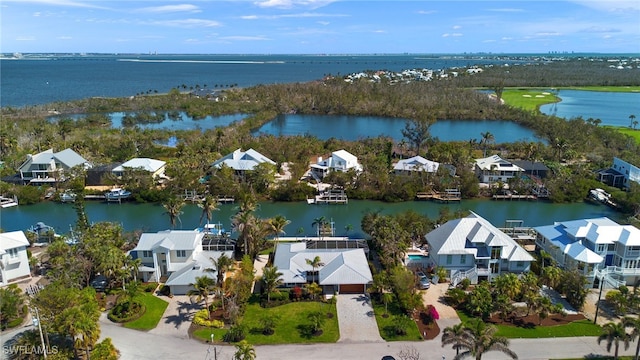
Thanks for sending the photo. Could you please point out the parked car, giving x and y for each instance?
(423, 281)
(99, 283)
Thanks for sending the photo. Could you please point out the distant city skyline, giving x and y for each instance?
(319, 26)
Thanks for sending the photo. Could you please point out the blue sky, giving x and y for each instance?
(319, 26)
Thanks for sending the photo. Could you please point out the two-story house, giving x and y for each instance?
(242, 161)
(597, 247)
(340, 160)
(50, 167)
(621, 174)
(473, 248)
(493, 169)
(178, 257)
(14, 261)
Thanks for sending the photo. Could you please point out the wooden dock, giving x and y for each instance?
(6, 202)
(330, 197)
(514, 197)
(449, 195)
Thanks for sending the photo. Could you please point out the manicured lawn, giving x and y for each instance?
(291, 328)
(155, 307)
(634, 133)
(385, 324)
(576, 328)
(528, 99)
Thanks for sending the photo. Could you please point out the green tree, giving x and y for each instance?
(201, 290)
(487, 138)
(220, 266)
(244, 351)
(173, 207)
(315, 263)
(417, 132)
(634, 324)
(614, 334)
(313, 289)
(479, 338)
(276, 227)
(480, 301)
(454, 335)
(105, 350)
(208, 205)
(317, 319)
(320, 223)
(508, 284)
(11, 303)
(271, 279)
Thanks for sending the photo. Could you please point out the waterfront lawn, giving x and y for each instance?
(386, 324)
(576, 328)
(291, 327)
(605, 88)
(528, 99)
(634, 133)
(155, 308)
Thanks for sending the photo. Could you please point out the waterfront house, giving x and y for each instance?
(340, 160)
(242, 161)
(345, 268)
(620, 174)
(532, 168)
(414, 165)
(177, 257)
(50, 167)
(493, 169)
(14, 261)
(154, 167)
(597, 247)
(473, 248)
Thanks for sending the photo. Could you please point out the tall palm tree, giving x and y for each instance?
(320, 223)
(201, 290)
(479, 338)
(315, 263)
(133, 265)
(634, 324)
(276, 226)
(487, 138)
(271, 278)
(614, 333)
(208, 205)
(244, 351)
(453, 335)
(173, 208)
(220, 266)
(243, 223)
(631, 119)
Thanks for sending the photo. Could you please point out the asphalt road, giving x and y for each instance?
(142, 345)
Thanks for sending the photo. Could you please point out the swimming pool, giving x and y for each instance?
(416, 257)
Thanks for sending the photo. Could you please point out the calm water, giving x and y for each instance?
(357, 127)
(152, 217)
(612, 108)
(61, 78)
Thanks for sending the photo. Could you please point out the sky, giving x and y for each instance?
(319, 26)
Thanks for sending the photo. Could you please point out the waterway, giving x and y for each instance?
(152, 217)
(612, 108)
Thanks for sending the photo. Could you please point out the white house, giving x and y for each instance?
(154, 167)
(472, 247)
(597, 247)
(241, 161)
(177, 257)
(343, 270)
(50, 167)
(621, 174)
(493, 169)
(340, 160)
(415, 164)
(14, 262)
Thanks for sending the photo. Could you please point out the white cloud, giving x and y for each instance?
(291, 16)
(506, 38)
(548, 34)
(25, 38)
(451, 35)
(488, 41)
(64, 38)
(171, 8)
(380, 31)
(599, 29)
(325, 23)
(244, 38)
(70, 3)
(426, 12)
(456, 27)
(37, 14)
(287, 4)
(188, 23)
(506, 10)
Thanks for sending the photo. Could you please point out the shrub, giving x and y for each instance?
(433, 313)
(202, 318)
(465, 283)
(297, 293)
(13, 323)
(150, 287)
(165, 290)
(235, 334)
(455, 297)
(126, 311)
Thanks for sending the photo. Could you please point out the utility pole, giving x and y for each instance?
(595, 318)
(44, 349)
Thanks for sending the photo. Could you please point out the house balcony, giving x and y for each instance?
(483, 271)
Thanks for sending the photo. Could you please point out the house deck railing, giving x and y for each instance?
(459, 275)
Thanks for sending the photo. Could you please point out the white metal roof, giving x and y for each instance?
(169, 239)
(239, 160)
(495, 160)
(12, 240)
(147, 164)
(416, 163)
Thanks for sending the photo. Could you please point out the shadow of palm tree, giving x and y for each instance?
(186, 309)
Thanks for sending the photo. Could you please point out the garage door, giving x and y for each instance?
(352, 289)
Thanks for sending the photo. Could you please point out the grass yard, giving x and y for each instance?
(291, 327)
(576, 328)
(155, 308)
(634, 133)
(385, 324)
(528, 99)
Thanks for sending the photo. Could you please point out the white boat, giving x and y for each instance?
(117, 194)
(599, 195)
(6, 202)
(67, 196)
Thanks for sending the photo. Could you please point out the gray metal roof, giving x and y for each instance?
(169, 239)
(239, 160)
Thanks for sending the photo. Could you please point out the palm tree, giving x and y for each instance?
(243, 223)
(315, 263)
(244, 351)
(631, 119)
(276, 226)
(201, 290)
(173, 208)
(487, 137)
(133, 265)
(208, 205)
(479, 338)
(320, 223)
(221, 265)
(614, 333)
(634, 324)
(453, 335)
(271, 278)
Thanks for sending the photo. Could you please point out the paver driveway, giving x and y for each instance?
(356, 319)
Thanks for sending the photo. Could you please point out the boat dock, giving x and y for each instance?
(6, 202)
(514, 197)
(193, 196)
(330, 197)
(448, 195)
